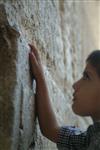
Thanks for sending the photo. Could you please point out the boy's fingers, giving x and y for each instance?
(32, 58)
(33, 48)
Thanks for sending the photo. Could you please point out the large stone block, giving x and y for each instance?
(8, 79)
(62, 35)
(16, 90)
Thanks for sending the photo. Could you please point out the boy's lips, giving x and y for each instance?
(74, 97)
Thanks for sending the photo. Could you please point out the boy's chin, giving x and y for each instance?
(77, 112)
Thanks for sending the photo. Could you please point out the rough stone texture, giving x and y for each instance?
(8, 54)
(63, 33)
(16, 94)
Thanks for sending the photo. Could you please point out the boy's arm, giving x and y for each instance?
(47, 120)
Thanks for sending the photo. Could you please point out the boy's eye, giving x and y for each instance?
(86, 76)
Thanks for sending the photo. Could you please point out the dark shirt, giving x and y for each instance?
(72, 138)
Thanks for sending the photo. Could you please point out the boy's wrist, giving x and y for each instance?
(40, 79)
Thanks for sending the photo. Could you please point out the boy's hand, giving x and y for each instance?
(47, 120)
(35, 63)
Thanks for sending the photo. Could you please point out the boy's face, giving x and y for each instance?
(86, 101)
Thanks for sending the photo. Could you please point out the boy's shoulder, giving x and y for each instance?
(95, 142)
(94, 131)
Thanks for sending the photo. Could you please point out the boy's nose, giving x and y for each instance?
(75, 85)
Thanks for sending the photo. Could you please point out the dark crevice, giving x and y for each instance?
(21, 109)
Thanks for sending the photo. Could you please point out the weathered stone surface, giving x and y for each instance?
(63, 37)
(8, 56)
(16, 94)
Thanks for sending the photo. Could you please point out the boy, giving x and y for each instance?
(86, 102)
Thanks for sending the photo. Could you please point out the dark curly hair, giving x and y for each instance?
(94, 60)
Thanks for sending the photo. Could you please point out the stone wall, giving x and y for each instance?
(62, 30)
